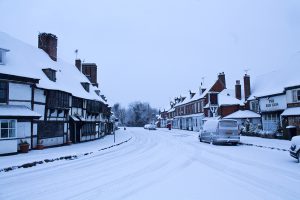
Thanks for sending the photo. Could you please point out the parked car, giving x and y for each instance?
(295, 147)
(220, 131)
(150, 126)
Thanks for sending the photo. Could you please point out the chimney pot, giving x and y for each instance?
(221, 77)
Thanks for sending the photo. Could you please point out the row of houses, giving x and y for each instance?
(268, 106)
(45, 101)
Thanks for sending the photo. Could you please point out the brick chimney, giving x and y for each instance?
(247, 88)
(238, 90)
(48, 42)
(78, 64)
(90, 71)
(221, 77)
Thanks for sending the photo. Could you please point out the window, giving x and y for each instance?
(296, 95)
(1, 57)
(93, 106)
(50, 73)
(88, 129)
(86, 86)
(8, 129)
(50, 129)
(77, 102)
(58, 99)
(254, 106)
(3, 92)
(228, 124)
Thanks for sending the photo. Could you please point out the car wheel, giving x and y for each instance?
(200, 139)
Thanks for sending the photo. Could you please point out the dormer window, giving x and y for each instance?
(97, 92)
(50, 73)
(3, 56)
(86, 86)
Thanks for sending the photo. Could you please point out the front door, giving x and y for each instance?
(74, 132)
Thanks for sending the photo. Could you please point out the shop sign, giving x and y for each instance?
(273, 103)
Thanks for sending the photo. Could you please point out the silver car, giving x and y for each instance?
(220, 131)
(150, 126)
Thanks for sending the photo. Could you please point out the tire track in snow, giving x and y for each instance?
(247, 179)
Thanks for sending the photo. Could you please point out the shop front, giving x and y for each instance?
(291, 119)
(271, 109)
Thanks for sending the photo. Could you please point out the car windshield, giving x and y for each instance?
(228, 124)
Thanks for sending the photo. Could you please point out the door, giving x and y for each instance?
(74, 132)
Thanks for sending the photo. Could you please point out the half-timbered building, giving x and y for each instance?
(44, 100)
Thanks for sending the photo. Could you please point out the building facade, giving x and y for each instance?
(45, 101)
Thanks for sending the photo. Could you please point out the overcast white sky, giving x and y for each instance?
(154, 50)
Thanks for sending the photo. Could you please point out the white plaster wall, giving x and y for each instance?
(19, 91)
(27, 104)
(61, 114)
(40, 109)
(54, 114)
(34, 129)
(65, 127)
(8, 146)
(23, 129)
(39, 96)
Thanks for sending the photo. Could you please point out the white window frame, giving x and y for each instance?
(254, 106)
(3, 56)
(15, 128)
(296, 95)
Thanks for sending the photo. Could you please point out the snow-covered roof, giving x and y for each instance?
(171, 110)
(196, 97)
(227, 97)
(6, 50)
(291, 111)
(192, 115)
(28, 61)
(17, 111)
(242, 114)
(275, 82)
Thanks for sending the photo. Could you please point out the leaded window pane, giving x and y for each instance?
(4, 124)
(12, 133)
(4, 133)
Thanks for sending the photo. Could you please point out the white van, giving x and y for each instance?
(220, 131)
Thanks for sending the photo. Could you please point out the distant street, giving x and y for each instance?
(163, 165)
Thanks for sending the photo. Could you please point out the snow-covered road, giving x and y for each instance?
(163, 165)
